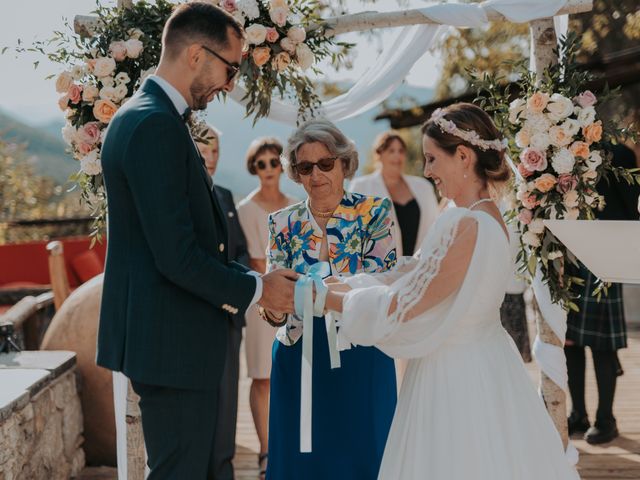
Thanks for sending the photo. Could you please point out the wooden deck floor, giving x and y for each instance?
(617, 460)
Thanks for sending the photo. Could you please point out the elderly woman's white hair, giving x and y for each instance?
(324, 132)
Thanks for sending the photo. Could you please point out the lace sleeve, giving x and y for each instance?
(418, 310)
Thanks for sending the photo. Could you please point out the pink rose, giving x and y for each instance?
(74, 93)
(586, 99)
(118, 50)
(229, 5)
(525, 216)
(272, 35)
(530, 202)
(523, 171)
(89, 133)
(566, 183)
(533, 160)
(84, 148)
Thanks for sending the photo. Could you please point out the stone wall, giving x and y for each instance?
(40, 417)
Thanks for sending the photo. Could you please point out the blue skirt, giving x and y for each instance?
(352, 411)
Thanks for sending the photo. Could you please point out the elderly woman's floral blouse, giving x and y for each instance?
(359, 241)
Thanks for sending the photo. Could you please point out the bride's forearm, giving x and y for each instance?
(334, 301)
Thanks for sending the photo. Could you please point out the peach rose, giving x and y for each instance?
(63, 102)
(282, 61)
(134, 47)
(586, 99)
(63, 82)
(261, 55)
(104, 110)
(118, 50)
(297, 34)
(272, 35)
(104, 67)
(545, 182)
(75, 93)
(533, 160)
(523, 138)
(580, 149)
(91, 64)
(593, 132)
(526, 173)
(537, 102)
(279, 16)
(530, 202)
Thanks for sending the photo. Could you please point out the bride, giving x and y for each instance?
(467, 408)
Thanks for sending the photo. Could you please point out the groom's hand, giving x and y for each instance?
(277, 291)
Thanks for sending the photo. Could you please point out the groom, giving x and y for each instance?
(169, 289)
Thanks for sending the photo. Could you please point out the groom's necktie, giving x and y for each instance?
(187, 114)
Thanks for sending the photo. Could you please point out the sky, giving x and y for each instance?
(26, 94)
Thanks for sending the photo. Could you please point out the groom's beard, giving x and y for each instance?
(201, 92)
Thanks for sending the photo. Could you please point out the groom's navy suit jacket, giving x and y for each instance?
(168, 286)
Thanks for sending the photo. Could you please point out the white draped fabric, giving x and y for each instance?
(380, 80)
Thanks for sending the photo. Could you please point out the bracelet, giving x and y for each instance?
(271, 319)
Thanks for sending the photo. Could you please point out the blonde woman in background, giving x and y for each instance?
(263, 160)
(415, 206)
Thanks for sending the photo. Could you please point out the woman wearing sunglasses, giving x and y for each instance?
(352, 406)
(263, 160)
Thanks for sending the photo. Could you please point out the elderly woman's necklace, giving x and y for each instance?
(316, 213)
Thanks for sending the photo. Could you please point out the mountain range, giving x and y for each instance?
(44, 139)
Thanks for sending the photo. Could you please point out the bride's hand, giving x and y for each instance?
(338, 287)
(331, 280)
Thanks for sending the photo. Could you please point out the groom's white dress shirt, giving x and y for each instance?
(181, 105)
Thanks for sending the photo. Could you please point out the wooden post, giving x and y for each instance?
(58, 273)
(544, 41)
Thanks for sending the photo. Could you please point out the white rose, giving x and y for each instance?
(90, 163)
(555, 254)
(134, 47)
(123, 78)
(540, 141)
(570, 199)
(250, 8)
(279, 15)
(109, 93)
(572, 126)
(78, 71)
(537, 122)
(121, 92)
(515, 110)
(239, 16)
(522, 192)
(297, 34)
(563, 161)
(586, 116)
(572, 214)
(69, 133)
(305, 56)
(531, 239)
(559, 136)
(287, 45)
(594, 160)
(536, 226)
(559, 107)
(256, 34)
(108, 81)
(104, 67)
(63, 82)
(523, 138)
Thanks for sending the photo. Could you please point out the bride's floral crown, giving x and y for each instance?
(471, 136)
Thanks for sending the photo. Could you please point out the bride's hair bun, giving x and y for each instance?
(491, 165)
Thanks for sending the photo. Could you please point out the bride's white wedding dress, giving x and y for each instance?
(467, 408)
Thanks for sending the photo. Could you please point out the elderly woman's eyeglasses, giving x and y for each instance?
(324, 164)
(274, 162)
(233, 70)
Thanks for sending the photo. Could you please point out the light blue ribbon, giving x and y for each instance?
(306, 308)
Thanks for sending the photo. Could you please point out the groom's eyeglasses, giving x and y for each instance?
(274, 162)
(233, 69)
(324, 164)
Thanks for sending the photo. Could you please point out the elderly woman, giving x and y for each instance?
(352, 406)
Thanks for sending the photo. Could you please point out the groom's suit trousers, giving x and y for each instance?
(179, 430)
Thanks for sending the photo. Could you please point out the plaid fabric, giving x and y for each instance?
(514, 320)
(599, 325)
